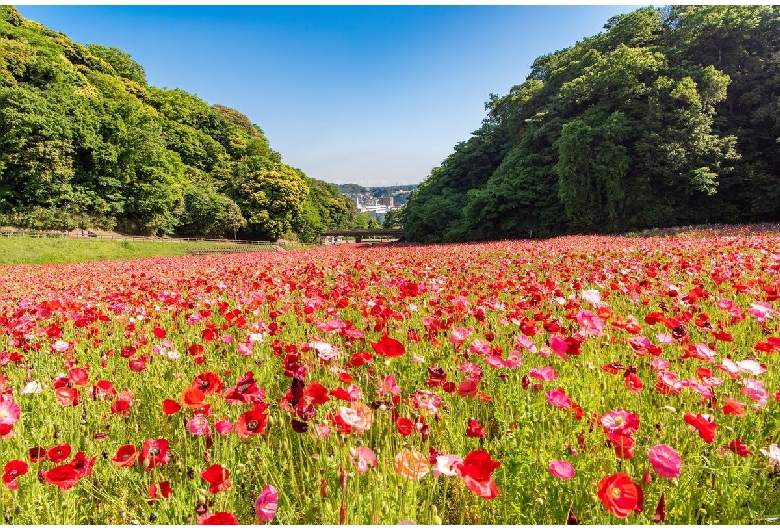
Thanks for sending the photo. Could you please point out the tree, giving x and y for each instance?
(394, 219)
(271, 196)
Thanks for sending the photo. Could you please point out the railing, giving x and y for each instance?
(228, 250)
(91, 235)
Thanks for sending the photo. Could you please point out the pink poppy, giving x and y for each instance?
(266, 504)
(665, 460)
(223, 427)
(389, 386)
(561, 469)
(547, 373)
(9, 414)
(558, 398)
(199, 426)
(591, 323)
(620, 421)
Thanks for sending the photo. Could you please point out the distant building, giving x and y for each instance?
(386, 201)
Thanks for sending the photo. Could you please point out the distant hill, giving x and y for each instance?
(85, 141)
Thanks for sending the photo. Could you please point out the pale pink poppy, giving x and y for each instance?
(447, 465)
(358, 416)
(561, 469)
(363, 458)
(245, 348)
(665, 460)
(593, 297)
(705, 351)
(752, 367)
(591, 323)
(325, 351)
(525, 342)
(480, 347)
(761, 311)
(427, 400)
(659, 363)
(60, 346)
(320, 431)
(459, 335)
(754, 389)
(266, 504)
(664, 338)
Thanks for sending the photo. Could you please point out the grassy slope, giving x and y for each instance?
(17, 250)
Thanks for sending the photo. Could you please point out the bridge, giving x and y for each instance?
(371, 232)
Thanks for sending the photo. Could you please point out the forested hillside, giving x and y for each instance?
(86, 142)
(668, 117)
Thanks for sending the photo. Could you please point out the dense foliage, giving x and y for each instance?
(669, 117)
(86, 142)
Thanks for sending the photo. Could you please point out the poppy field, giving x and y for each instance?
(589, 379)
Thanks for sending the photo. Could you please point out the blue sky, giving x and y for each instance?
(374, 95)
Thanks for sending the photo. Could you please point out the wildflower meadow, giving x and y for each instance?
(594, 379)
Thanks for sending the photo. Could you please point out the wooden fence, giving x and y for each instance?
(91, 235)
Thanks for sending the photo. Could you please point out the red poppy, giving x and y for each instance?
(36, 454)
(389, 347)
(13, 470)
(476, 470)
(192, 397)
(245, 391)
(734, 407)
(126, 456)
(620, 495)
(154, 453)
(163, 489)
(467, 388)
(59, 453)
(83, 465)
(633, 383)
(316, 394)
(208, 383)
(120, 407)
(623, 444)
(102, 389)
(64, 476)
(218, 518)
(67, 397)
(170, 407)
(218, 478)
(252, 422)
(79, 376)
(660, 510)
(703, 424)
(475, 429)
(404, 426)
(740, 448)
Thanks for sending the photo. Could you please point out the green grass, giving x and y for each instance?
(30, 250)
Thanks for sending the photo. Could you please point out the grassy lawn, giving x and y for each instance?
(18, 250)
